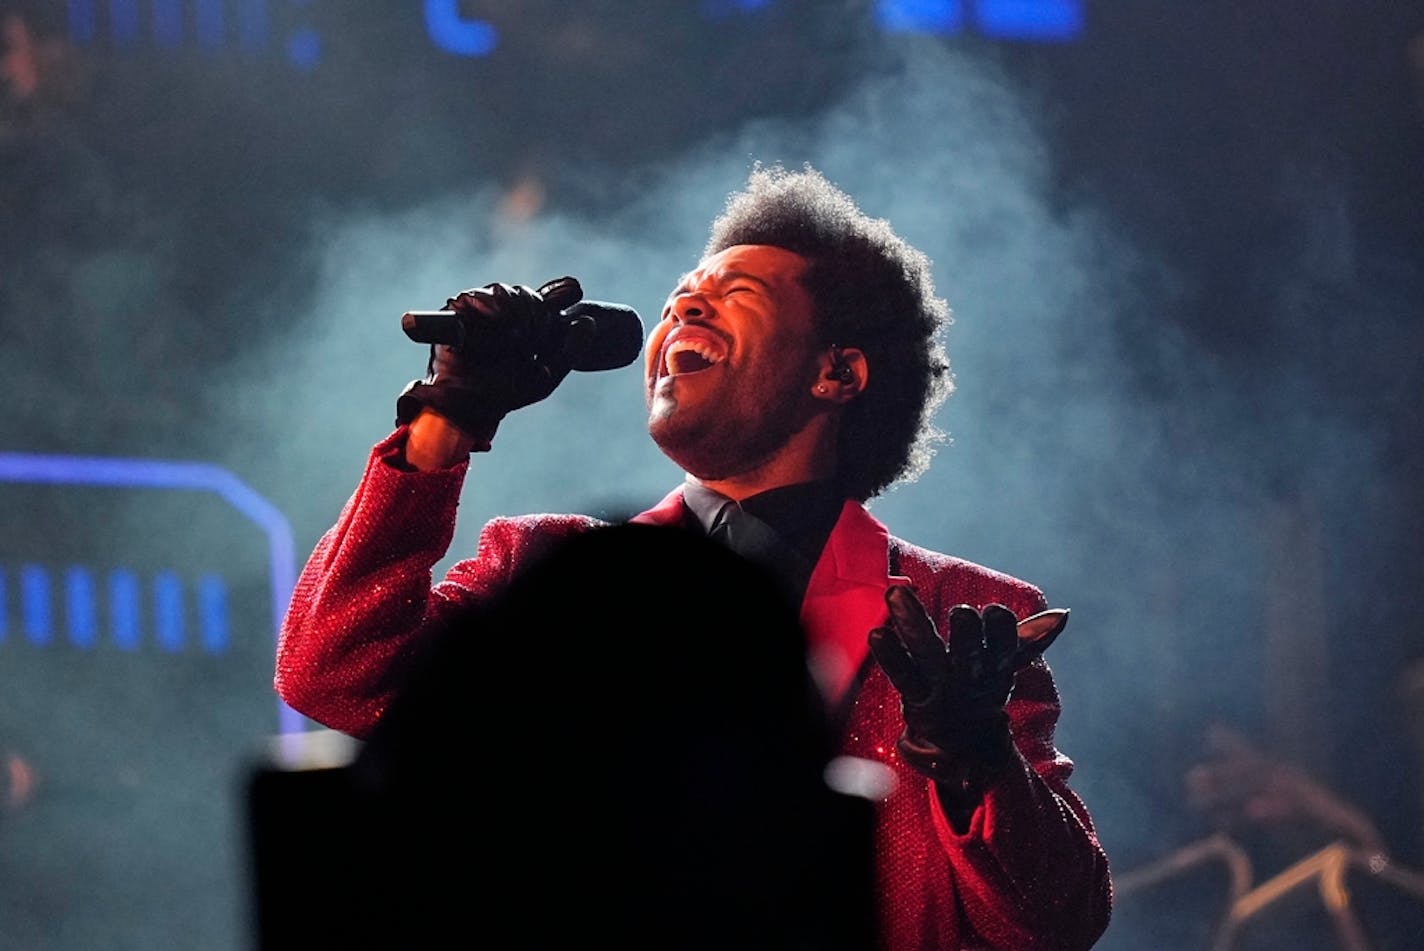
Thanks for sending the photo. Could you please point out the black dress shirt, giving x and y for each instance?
(781, 530)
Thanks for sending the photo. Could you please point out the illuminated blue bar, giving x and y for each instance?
(34, 604)
(252, 25)
(920, 16)
(1031, 19)
(123, 609)
(168, 22)
(80, 609)
(168, 611)
(451, 32)
(123, 20)
(208, 20)
(83, 23)
(212, 614)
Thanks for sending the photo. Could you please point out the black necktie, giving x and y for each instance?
(755, 541)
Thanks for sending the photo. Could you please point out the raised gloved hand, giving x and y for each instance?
(953, 695)
(527, 346)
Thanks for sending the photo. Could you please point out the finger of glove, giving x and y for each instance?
(535, 383)
(566, 341)
(523, 304)
(913, 625)
(1037, 631)
(444, 363)
(521, 307)
(1001, 637)
(983, 672)
(450, 364)
(478, 307)
(899, 666)
(967, 653)
(561, 292)
(485, 301)
(508, 324)
(577, 336)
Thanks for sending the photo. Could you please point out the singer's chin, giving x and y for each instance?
(669, 427)
(684, 441)
(661, 410)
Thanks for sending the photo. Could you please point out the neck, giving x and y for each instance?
(808, 456)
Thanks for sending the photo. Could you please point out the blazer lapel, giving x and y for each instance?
(846, 599)
(666, 512)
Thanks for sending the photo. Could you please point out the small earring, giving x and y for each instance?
(821, 388)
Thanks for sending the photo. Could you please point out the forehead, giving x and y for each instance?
(767, 263)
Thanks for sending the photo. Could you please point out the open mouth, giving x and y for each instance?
(689, 355)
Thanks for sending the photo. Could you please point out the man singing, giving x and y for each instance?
(793, 375)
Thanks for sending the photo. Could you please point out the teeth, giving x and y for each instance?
(701, 348)
(696, 346)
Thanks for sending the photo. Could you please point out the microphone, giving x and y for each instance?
(617, 332)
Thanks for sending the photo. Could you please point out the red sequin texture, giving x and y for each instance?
(364, 606)
(1027, 874)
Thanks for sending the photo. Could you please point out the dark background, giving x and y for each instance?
(1185, 252)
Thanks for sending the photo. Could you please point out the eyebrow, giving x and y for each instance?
(725, 277)
(731, 276)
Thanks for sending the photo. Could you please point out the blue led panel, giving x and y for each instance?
(139, 605)
(34, 605)
(134, 610)
(124, 609)
(80, 608)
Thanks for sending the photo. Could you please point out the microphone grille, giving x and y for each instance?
(617, 339)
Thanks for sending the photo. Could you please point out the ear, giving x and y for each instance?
(843, 375)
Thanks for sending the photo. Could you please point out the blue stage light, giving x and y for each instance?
(1048, 20)
(454, 33)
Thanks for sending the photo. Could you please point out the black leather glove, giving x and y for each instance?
(526, 347)
(952, 695)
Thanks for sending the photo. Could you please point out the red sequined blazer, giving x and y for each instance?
(1028, 873)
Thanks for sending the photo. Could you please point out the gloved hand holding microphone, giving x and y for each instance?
(501, 347)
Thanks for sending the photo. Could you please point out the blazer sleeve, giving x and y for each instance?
(363, 603)
(1028, 870)
(365, 610)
